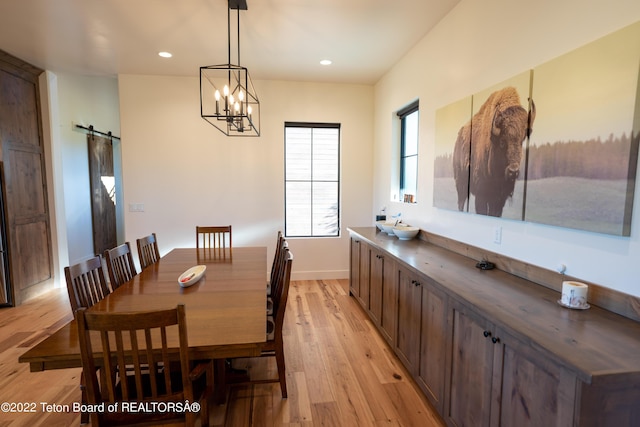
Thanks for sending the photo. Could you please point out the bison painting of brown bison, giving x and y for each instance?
(488, 152)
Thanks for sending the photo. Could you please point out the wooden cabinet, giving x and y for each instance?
(491, 349)
(383, 293)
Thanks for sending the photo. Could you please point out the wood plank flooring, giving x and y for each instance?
(340, 372)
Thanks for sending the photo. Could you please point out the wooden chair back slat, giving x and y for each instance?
(214, 242)
(277, 277)
(120, 265)
(276, 257)
(148, 252)
(280, 301)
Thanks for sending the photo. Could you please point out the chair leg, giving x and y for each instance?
(84, 416)
(281, 371)
(204, 412)
(220, 384)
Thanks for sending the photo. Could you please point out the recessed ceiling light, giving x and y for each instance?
(325, 62)
(165, 54)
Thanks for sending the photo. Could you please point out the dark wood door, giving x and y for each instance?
(26, 204)
(103, 196)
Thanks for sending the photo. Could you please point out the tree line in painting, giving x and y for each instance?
(592, 159)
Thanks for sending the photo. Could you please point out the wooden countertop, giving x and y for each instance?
(592, 343)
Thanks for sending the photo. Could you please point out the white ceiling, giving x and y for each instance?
(280, 39)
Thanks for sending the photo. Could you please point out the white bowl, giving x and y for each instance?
(387, 227)
(405, 232)
(379, 225)
(191, 276)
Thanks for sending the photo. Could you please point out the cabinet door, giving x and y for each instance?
(408, 332)
(376, 280)
(470, 386)
(433, 343)
(389, 314)
(383, 293)
(533, 391)
(363, 293)
(354, 273)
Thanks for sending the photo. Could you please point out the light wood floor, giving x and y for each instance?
(339, 370)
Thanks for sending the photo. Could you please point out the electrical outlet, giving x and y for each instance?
(497, 235)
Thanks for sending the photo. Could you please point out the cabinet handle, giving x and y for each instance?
(495, 340)
(487, 334)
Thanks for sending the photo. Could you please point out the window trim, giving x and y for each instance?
(314, 125)
(402, 114)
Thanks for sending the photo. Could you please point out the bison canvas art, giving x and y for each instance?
(488, 152)
(577, 170)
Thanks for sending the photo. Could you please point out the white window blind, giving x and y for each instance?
(312, 180)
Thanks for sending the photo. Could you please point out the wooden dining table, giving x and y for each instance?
(225, 309)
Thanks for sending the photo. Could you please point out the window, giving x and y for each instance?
(312, 179)
(409, 152)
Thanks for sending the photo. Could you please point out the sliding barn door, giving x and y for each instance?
(103, 193)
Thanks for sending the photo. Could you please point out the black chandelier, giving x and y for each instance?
(228, 99)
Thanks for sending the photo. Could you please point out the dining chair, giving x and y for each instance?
(276, 257)
(136, 343)
(86, 283)
(215, 241)
(148, 250)
(86, 286)
(274, 345)
(276, 272)
(120, 265)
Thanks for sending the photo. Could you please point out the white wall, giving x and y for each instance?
(85, 101)
(187, 173)
(478, 44)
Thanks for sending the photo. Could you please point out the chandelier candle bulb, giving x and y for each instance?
(217, 96)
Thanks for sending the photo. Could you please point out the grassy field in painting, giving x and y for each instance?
(580, 203)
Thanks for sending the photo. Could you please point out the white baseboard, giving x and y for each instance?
(320, 275)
